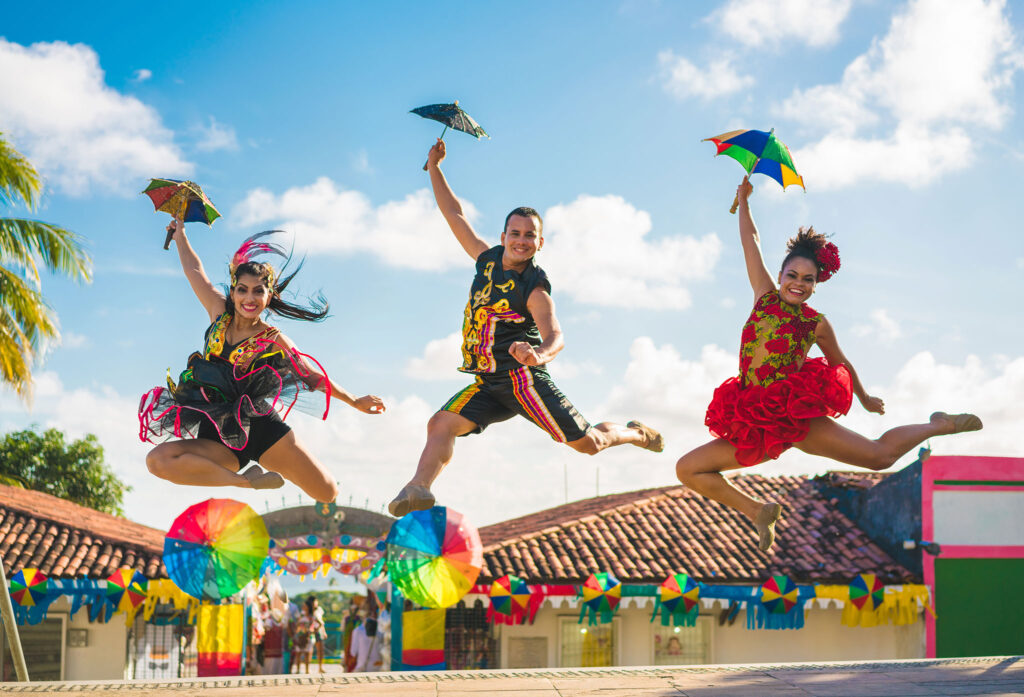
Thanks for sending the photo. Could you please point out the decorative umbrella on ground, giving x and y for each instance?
(452, 116)
(434, 556)
(601, 595)
(127, 589)
(779, 594)
(759, 152)
(28, 587)
(679, 595)
(214, 548)
(866, 592)
(184, 200)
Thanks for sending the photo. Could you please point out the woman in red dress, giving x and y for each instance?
(781, 398)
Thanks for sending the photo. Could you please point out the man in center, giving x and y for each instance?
(509, 334)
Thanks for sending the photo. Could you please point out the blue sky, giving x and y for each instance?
(902, 117)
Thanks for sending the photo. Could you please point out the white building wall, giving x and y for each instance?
(104, 656)
(823, 637)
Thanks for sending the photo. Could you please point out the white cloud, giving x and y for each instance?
(772, 22)
(596, 251)
(73, 340)
(682, 79)
(80, 133)
(410, 233)
(908, 110)
(882, 327)
(216, 136)
(439, 361)
(142, 74)
(564, 369)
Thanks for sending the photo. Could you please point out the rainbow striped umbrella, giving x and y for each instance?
(28, 587)
(214, 548)
(866, 592)
(779, 594)
(434, 556)
(127, 589)
(601, 595)
(758, 152)
(510, 596)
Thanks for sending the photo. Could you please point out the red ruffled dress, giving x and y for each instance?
(767, 407)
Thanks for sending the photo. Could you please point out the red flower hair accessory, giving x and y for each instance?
(828, 261)
(248, 252)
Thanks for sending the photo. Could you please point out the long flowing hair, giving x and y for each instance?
(243, 263)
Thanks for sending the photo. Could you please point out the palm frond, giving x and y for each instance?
(19, 181)
(15, 360)
(27, 309)
(60, 250)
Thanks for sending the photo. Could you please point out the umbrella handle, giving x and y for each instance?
(441, 138)
(735, 204)
(167, 241)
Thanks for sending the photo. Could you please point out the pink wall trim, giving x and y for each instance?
(969, 468)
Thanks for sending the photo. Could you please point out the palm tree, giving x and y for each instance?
(27, 322)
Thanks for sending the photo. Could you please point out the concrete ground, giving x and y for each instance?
(955, 676)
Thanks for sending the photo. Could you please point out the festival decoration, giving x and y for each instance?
(184, 200)
(423, 640)
(214, 548)
(758, 152)
(126, 592)
(219, 640)
(866, 592)
(28, 587)
(512, 601)
(678, 601)
(601, 595)
(434, 556)
(452, 116)
(302, 555)
(779, 594)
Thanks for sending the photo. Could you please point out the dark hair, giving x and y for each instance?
(317, 307)
(526, 212)
(310, 599)
(806, 245)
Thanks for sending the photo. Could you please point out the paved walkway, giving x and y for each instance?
(959, 676)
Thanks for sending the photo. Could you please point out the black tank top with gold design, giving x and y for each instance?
(496, 315)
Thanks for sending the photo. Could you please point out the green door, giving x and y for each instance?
(980, 607)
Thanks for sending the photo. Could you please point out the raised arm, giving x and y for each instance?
(450, 207)
(542, 307)
(826, 338)
(760, 278)
(368, 404)
(211, 298)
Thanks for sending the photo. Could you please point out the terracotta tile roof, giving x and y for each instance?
(643, 536)
(65, 540)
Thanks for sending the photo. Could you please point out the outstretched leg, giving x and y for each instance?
(198, 462)
(442, 430)
(701, 468)
(607, 435)
(829, 439)
(291, 460)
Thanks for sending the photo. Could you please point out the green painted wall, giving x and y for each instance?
(980, 607)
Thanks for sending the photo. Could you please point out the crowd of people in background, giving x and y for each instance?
(286, 637)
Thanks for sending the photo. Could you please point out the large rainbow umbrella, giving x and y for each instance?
(434, 556)
(214, 548)
(510, 595)
(127, 589)
(779, 594)
(28, 587)
(758, 152)
(866, 592)
(678, 590)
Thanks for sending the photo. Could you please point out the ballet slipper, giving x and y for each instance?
(765, 521)
(654, 443)
(412, 497)
(961, 422)
(259, 479)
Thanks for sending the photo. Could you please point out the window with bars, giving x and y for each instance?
(682, 645)
(470, 642)
(164, 647)
(582, 645)
(43, 646)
